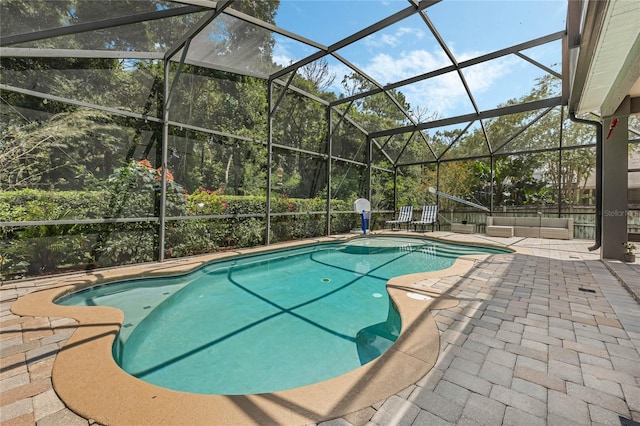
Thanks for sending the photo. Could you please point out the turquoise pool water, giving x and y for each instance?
(267, 322)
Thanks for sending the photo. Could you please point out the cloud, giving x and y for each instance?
(444, 94)
(281, 53)
(386, 68)
(482, 77)
(287, 51)
(385, 39)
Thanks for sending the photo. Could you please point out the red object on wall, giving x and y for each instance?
(613, 124)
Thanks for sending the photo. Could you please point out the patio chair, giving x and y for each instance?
(405, 216)
(429, 217)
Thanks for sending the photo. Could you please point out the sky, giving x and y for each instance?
(469, 28)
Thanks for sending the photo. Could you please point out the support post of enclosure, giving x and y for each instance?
(560, 187)
(163, 182)
(267, 237)
(329, 152)
(438, 183)
(491, 186)
(369, 168)
(395, 189)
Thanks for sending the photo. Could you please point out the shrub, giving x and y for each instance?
(132, 191)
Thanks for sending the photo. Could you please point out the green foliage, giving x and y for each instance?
(123, 244)
(206, 202)
(34, 250)
(70, 150)
(41, 248)
(248, 233)
(134, 191)
(573, 175)
(35, 204)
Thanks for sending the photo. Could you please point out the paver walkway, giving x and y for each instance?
(551, 337)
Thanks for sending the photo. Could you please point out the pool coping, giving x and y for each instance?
(88, 380)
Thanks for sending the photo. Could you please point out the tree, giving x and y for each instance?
(65, 152)
(241, 46)
(319, 75)
(572, 177)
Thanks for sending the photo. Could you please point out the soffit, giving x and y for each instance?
(614, 71)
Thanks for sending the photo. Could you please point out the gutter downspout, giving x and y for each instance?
(599, 147)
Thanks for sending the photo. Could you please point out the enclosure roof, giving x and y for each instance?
(454, 61)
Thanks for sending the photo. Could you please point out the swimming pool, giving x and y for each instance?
(267, 322)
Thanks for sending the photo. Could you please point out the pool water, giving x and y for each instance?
(267, 322)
